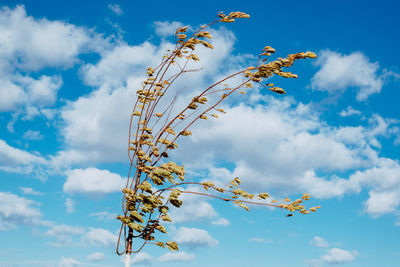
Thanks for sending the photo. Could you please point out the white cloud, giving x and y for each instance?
(96, 256)
(319, 242)
(349, 111)
(181, 256)
(93, 182)
(64, 235)
(338, 72)
(166, 28)
(29, 45)
(70, 205)
(194, 209)
(142, 258)
(99, 237)
(103, 215)
(194, 237)
(68, 262)
(62, 229)
(30, 191)
(95, 125)
(32, 135)
(116, 9)
(15, 210)
(260, 240)
(380, 203)
(221, 222)
(16, 160)
(338, 256)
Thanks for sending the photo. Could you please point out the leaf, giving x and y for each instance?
(135, 226)
(263, 195)
(160, 244)
(204, 117)
(186, 133)
(158, 114)
(166, 218)
(277, 90)
(136, 216)
(313, 209)
(136, 113)
(172, 245)
(244, 206)
(145, 186)
(161, 228)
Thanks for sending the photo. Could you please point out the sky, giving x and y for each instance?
(69, 71)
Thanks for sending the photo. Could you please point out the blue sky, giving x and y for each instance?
(69, 72)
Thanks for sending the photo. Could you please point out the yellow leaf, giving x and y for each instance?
(172, 245)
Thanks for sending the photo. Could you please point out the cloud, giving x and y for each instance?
(30, 191)
(64, 235)
(194, 238)
(95, 125)
(116, 8)
(16, 160)
(166, 28)
(15, 210)
(32, 135)
(260, 240)
(142, 258)
(70, 205)
(221, 222)
(99, 237)
(30, 45)
(338, 72)
(338, 256)
(349, 111)
(177, 257)
(194, 209)
(96, 256)
(68, 262)
(93, 182)
(319, 242)
(103, 215)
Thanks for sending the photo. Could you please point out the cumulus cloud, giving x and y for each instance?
(142, 258)
(68, 262)
(95, 125)
(17, 160)
(29, 45)
(70, 205)
(93, 182)
(116, 8)
(221, 222)
(103, 215)
(319, 242)
(338, 72)
(166, 28)
(99, 237)
(194, 209)
(96, 256)
(260, 240)
(338, 256)
(349, 111)
(194, 237)
(30, 191)
(181, 256)
(15, 210)
(64, 235)
(32, 135)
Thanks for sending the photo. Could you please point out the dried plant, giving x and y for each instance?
(154, 185)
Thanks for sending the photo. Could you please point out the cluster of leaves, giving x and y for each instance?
(154, 186)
